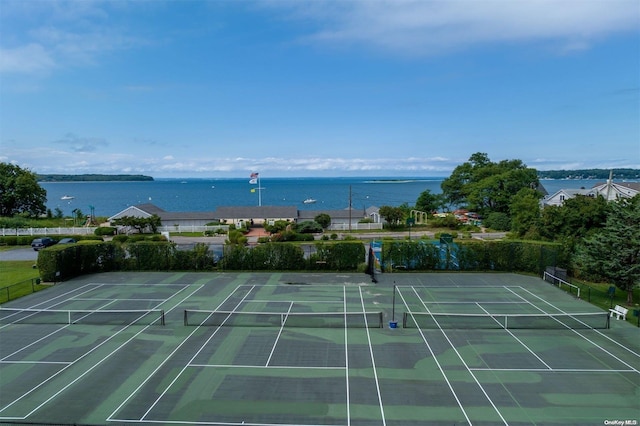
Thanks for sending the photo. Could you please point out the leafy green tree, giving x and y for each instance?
(577, 218)
(525, 212)
(20, 192)
(323, 219)
(429, 202)
(613, 252)
(498, 221)
(393, 215)
(140, 224)
(308, 227)
(484, 186)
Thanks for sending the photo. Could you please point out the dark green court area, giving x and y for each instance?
(307, 349)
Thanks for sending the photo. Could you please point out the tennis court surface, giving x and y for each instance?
(314, 349)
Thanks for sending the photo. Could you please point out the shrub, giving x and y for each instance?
(105, 230)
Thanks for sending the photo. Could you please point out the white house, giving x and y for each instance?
(610, 190)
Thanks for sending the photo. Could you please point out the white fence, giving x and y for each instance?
(48, 231)
(89, 230)
(354, 226)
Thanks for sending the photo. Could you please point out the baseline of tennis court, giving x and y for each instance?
(314, 349)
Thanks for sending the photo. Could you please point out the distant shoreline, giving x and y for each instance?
(94, 178)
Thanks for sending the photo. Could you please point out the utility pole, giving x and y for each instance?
(349, 208)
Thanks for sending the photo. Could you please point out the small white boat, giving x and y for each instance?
(309, 201)
(67, 197)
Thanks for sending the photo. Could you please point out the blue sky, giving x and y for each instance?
(317, 88)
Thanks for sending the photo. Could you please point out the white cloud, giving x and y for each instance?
(82, 144)
(427, 27)
(30, 58)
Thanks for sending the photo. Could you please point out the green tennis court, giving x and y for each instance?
(314, 349)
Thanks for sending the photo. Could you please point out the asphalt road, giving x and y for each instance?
(19, 254)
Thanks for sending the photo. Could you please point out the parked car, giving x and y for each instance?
(40, 243)
(67, 241)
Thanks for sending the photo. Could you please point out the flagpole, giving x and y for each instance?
(259, 193)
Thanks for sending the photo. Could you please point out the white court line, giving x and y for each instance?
(346, 356)
(70, 365)
(38, 362)
(554, 370)
(275, 343)
(80, 376)
(202, 423)
(576, 331)
(100, 299)
(168, 356)
(294, 301)
(268, 367)
(516, 338)
(36, 306)
(484, 392)
(191, 360)
(488, 302)
(435, 359)
(373, 361)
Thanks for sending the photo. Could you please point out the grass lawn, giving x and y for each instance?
(18, 278)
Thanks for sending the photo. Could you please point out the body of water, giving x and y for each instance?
(181, 195)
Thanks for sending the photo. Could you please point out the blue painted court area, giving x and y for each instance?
(314, 349)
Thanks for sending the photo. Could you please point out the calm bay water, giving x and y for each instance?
(180, 195)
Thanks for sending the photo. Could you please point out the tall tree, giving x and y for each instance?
(525, 212)
(20, 192)
(484, 186)
(429, 202)
(613, 252)
(393, 215)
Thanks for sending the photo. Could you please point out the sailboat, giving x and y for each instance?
(67, 197)
(309, 201)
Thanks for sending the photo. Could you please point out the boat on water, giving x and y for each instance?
(309, 201)
(67, 197)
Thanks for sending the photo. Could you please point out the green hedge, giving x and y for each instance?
(522, 256)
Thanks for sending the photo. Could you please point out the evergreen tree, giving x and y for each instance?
(613, 253)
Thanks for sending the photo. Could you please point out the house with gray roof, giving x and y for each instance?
(257, 215)
(611, 191)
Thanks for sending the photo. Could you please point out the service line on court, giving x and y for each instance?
(517, 339)
(193, 357)
(275, 343)
(484, 392)
(96, 364)
(435, 359)
(373, 360)
(72, 363)
(346, 354)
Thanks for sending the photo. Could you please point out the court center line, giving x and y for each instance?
(168, 356)
(433, 356)
(517, 339)
(346, 355)
(275, 343)
(192, 358)
(373, 360)
(95, 365)
(484, 392)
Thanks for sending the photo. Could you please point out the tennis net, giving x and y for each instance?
(92, 317)
(286, 319)
(426, 320)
